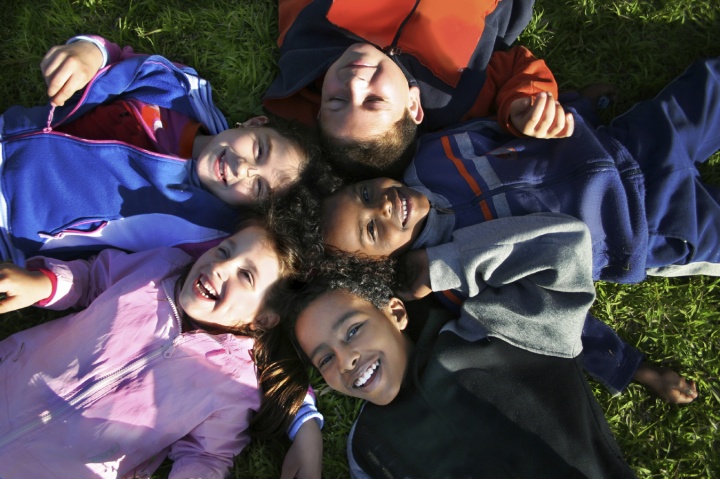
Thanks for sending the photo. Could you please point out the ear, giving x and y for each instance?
(398, 313)
(414, 105)
(267, 319)
(256, 121)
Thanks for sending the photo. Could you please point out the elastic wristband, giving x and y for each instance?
(94, 41)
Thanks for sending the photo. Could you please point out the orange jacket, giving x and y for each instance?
(456, 54)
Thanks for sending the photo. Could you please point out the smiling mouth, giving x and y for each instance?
(221, 167)
(404, 214)
(366, 375)
(206, 289)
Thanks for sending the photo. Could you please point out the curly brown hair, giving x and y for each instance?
(371, 279)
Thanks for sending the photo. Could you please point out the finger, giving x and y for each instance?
(47, 62)
(58, 81)
(547, 119)
(558, 124)
(569, 126)
(71, 85)
(535, 113)
(10, 303)
(531, 120)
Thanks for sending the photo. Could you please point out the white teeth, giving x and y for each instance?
(222, 167)
(404, 209)
(206, 289)
(364, 377)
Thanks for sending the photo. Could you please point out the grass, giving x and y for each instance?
(637, 45)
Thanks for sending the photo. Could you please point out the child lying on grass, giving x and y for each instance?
(494, 392)
(368, 73)
(160, 362)
(142, 158)
(635, 183)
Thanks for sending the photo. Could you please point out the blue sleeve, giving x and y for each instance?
(606, 357)
(306, 412)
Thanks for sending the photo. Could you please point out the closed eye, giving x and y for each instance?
(260, 188)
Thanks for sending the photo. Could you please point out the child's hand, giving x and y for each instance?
(68, 68)
(20, 288)
(542, 117)
(414, 275)
(304, 458)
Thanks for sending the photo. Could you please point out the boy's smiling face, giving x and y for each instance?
(243, 166)
(360, 350)
(364, 94)
(379, 217)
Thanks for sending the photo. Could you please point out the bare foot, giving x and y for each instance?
(666, 384)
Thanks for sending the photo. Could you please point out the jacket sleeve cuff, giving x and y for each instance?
(306, 412)
(445, 268)
(95, 40)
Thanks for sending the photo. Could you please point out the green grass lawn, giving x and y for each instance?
(636, 45)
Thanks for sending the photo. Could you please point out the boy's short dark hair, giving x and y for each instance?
(388, 155)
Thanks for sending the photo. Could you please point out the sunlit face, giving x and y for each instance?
(360, 350)
(244, 165)
(379, 217)
(226, 286)
(364, 94)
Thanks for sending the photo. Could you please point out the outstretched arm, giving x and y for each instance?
(304, 458)
(528, 279)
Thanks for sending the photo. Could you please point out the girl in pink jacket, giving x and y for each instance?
(159, 363)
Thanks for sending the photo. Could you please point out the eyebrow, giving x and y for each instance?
(333, 330)
(270, 145)
(249, 265)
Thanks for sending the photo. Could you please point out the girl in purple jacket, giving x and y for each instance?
(160, 362)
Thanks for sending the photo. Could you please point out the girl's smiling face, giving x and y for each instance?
(226, 286)
(245, 165)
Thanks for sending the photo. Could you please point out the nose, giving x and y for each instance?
(348, 359)
(385, 206)
(356, 81)
(221, 269)
(246, 170)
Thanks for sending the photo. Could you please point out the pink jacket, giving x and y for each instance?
(112, 390)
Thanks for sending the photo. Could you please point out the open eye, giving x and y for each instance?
(365, 195)
(324, 360)
(353, 331)
(246, 275)
(371, 230)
